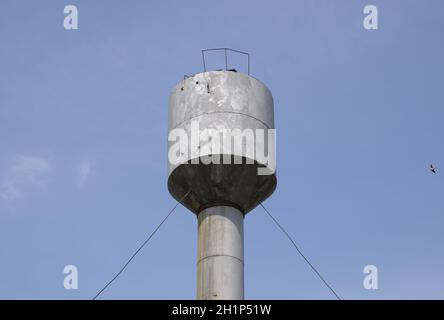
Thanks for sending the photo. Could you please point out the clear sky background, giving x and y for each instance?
(83, 132)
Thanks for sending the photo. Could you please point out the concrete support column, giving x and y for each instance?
(220, 266)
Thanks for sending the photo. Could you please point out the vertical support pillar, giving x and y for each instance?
(220, 265)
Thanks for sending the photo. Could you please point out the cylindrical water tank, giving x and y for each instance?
(221, 141)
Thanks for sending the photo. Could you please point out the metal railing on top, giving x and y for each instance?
(226, 57)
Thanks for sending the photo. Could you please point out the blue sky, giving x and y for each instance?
(83, 129)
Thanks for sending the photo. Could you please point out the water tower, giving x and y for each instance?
(218, 170)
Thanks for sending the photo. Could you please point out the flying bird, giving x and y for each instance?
(433, 169)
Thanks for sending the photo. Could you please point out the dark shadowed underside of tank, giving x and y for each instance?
(237, 185)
